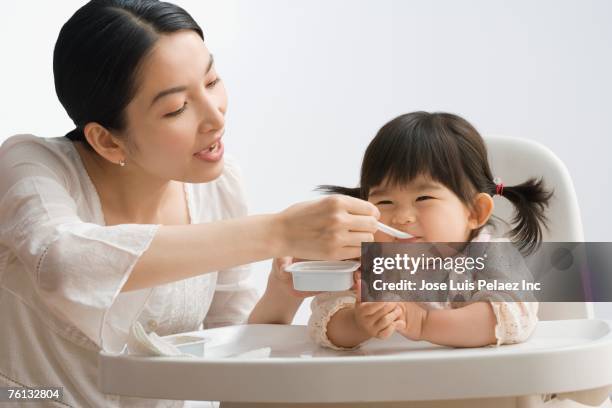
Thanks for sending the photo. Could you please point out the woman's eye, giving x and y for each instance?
(177, 112)
(383, 202)
(423, 198)
(213, 83)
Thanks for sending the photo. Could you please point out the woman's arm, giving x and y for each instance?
(183, 251)
(275, 307)
(329, 228)
(280, 301)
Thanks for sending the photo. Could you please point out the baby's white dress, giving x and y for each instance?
(516, 320)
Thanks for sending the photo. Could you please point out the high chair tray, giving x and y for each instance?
(562, 355)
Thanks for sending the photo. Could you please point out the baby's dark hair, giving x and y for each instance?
(449, 150)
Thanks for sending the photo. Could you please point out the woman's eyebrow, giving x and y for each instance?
(183, 88)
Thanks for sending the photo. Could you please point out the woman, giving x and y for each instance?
(136, 215)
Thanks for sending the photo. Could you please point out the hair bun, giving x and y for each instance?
(76, 134)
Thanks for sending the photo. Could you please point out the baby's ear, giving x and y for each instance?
(481, 211)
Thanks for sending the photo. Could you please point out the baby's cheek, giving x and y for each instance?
(449, 230)
(436, 228)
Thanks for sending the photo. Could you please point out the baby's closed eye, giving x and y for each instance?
(423, 198)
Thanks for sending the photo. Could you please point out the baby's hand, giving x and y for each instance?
(414, 317)
(378, 319)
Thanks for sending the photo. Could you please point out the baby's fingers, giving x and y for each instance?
(388, 331)
(375, 310)
(399, 325)
(387, 320)
(389, 310)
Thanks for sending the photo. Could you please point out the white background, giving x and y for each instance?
(310, 82)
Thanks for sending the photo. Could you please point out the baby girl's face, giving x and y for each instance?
(425, 209)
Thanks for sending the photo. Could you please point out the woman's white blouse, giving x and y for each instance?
(62, 270)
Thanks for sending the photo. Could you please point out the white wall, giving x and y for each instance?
(310, 82)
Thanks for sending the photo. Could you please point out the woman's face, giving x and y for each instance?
(176, 120)
(425, 209)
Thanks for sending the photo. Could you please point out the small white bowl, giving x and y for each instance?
(188, 344)
(328, 276)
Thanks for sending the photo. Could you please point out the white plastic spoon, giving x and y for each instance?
(392, 231)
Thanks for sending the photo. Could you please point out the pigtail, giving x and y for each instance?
(530, 200)
(352, 192)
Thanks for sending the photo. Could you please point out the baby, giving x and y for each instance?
(429, 176)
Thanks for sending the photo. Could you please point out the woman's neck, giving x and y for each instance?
(127, 194)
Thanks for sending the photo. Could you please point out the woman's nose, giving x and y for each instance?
(212, 114)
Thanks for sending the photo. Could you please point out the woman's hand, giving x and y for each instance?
(280, 301)
(330, 228)
(414, 317)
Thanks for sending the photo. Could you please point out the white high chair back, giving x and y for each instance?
(515, 160)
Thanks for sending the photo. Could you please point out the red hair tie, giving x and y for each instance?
(499, 186)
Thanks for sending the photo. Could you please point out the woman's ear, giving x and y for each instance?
(481, 211)
(103, 142)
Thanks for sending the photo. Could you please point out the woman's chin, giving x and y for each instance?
(210, 173)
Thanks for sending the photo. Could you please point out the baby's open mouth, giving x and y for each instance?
(413, 239)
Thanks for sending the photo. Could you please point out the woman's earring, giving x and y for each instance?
(122, 162)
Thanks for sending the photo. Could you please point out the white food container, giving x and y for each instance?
(188, 344)
(328, 276)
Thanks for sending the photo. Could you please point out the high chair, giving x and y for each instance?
(567, 359)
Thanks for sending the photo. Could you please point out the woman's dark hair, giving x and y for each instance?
(98, 53)
(450, 150)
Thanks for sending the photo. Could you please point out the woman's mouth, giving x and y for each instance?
(212, 153)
